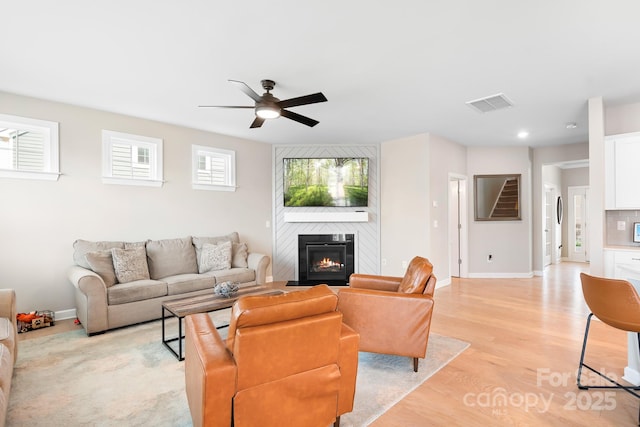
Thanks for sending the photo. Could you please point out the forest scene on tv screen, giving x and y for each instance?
(326, 182)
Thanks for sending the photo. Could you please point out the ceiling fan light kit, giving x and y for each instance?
(267, 111)
(268, 106)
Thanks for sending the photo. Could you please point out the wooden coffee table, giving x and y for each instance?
(204, 303)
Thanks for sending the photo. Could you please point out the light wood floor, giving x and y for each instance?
(526, 337)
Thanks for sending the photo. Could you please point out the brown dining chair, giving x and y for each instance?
(616, 303)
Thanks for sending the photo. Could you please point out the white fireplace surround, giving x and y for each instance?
(288, 221)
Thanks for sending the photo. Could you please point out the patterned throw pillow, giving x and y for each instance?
(214, 257)
(130, 264)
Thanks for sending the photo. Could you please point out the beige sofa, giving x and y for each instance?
(122, 283)
(8, 347)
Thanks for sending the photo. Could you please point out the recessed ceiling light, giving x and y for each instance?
(523, 134)
(571, 125)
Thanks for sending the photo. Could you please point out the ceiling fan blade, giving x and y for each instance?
(299, 118)
(303, 100)
(257, 122)
(224, 106)
(246, 89)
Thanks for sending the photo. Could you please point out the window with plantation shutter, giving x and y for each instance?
(28, 148)
(213, 168)
(131, 159)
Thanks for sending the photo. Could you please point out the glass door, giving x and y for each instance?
(577, 223)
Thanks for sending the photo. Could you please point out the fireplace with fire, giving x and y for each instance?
(325, 258)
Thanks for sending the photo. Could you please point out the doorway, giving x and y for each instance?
(458, 263)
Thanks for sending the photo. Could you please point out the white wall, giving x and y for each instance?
(509, 242)
(621, 119)
(40, 220)
(595, 233)
(445, 158)
(404, 202)
(415, 174)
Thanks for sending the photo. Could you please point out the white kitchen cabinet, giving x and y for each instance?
(622, 171)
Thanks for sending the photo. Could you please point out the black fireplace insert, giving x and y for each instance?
(325, 258)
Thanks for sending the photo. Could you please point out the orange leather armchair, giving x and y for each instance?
(391, 314)
(288, 360)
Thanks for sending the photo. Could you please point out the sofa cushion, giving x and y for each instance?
(81, 247)
(184, 283)
(214, 257)
(136, 291)
(101, 262)
(199, 241)
(171, 257)
(240, 254)
(130, 264)
(7, 334)
(240, 275)
(133, 245)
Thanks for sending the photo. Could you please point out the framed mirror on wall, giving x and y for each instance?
(497, 197)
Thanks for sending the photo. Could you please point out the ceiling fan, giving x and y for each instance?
(268, 106)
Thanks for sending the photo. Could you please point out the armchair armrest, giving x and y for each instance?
(348, 364)
(259, 262)
(9, 311)
(210, 373)
(8, 305)
(370, 281)
(390, 323)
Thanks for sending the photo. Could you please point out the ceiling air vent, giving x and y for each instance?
(490, 103)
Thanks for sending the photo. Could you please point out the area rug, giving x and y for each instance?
(127, 377)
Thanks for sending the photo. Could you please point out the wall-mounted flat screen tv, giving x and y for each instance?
(337, 181)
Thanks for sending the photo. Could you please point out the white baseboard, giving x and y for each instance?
(500, 275)
(443, 283)
(65, 314)
(269, 279)
(538, 273)
(631, 376)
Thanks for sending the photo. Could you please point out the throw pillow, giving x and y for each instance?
(215, 257)
(130, 264)
(216, 240)
(240, 255)
(101, 262)
(81, 247)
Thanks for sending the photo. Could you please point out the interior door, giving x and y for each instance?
(454, 228)
(457, 220)
(548, 224)
(577, 224)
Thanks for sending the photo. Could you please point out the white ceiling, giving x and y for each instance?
(388, 69)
